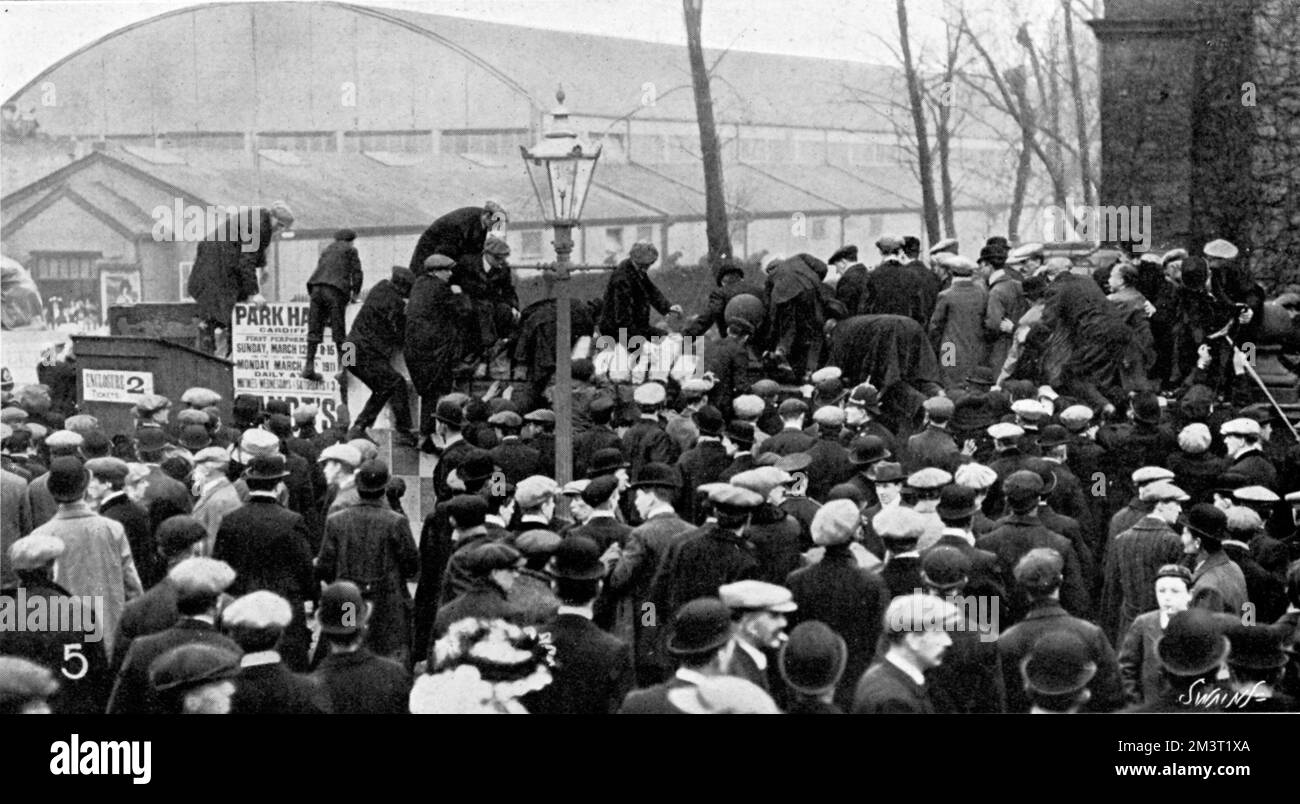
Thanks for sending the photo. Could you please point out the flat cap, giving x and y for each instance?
(1194, 438)
(1255, 494)
(958, 265)
(195, 437)
(192, 665)
(13, 415)
(1076, 417)
(764, 387)
(751, 595)
(534, 490)
(1023, 252)
(259, 443)
(200, 397)
(1242, 427)
(81, 423)
(709, 420)
(343, 453)
(150, 439)
(38, 431)
(649, 394)
(507, 419)
(213, 455)
(198, 576)
(835, 523)
(367, 449)
(1162, 491)
(889, 243)
(63, 439)
(975, 476)
(898, 523)
(1221, 249)
(1148, 474)
(748, 406)
(108, 467)
(939, 407)
(574, 488)
(258, 611)
(35, 551)
(1053, 435)
(948, 244)
(192, 417)
(1039, 569)
(826, 374)
(929, 478)
(489, 557)
(149, 404)
(23, 681)
(599, 490)
(829, 416)
(541, 416)
(177, 533)
(760, 480)
(1004, 430)
(1031, 410)
(696, 387)
(496, 246)
(469, 510)
(305, 413)
(794, 462)
(792, 407)
(730, 497)
(1023, 482)
(438, 262)
(537, 542)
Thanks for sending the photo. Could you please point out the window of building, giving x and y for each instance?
(532, 245)
(68, 280)
(484, 142)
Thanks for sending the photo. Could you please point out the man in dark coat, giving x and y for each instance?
(715, 554)
(378, 332)
(108, 484)
(226, 267)
(850, 288)
(198, 583)
(728, 359)
(1038, 574)
(431, 323)
(356, 680)
(269, 548)
(179, 538)
(647, 441)
(970, 678)
(593, 670)
(370, 545)
(493, 568)
(701, 642)
(1241, 438)
(459, 235)
(892, 289)
(265, 684)
(516, 459)
(796, 312)
(64, 640)
(915, 641)
(703, 463)
(731, 282)
(838, 592)
(598, 437)
(332, 286)
(630, 294)
(957, 325)
(829, 464)
(934, 444)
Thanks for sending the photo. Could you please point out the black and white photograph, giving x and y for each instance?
(663, 357)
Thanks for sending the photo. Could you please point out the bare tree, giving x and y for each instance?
(929, 208)
(715, 203)
(1076, 89)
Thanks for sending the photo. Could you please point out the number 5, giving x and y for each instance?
(74, 652)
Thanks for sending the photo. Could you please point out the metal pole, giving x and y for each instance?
(1260, 382)
(563, 376)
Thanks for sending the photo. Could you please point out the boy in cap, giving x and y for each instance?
(195, 680)
(594, 669)
(198, 584)
(1134, 558)
(336, 281)
(269, 548)
(81, 628)
(1139, 668)
(355, 679)
(371, 545)
(838, 591)
(98, 559)
(265, 684)
(1038, 575)
(915, 641)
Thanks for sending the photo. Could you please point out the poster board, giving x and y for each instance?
(268, 346)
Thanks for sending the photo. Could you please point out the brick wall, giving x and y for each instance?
(1275, 155)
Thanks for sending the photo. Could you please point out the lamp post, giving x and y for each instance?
(560, 167)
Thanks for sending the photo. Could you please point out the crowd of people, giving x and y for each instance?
(924, 486)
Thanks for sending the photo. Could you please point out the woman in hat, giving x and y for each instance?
(483, 667)
(1139, 668)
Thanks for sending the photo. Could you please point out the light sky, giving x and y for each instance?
(34, 35)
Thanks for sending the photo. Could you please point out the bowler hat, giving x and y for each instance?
(343, 609)
(1057, 664)
(606, 461)
(68, 479)
(866, 450)
(1053, 435)
(1205, 520)
(657, 474)
(1256, 647)
(266, 467)
(195, 437)
(813, 659)
(150, 439)
(577, 558)
(886, 472)
(372, 477)
(477, 466)
(449, 412)
(700, 626)
(1192, 643)
(468, 510)
(709, 420)
(944, 567)
(599, 490)
(177, 533)
(1146, 408)
(980, 377)
(956, 502)
(741, 433)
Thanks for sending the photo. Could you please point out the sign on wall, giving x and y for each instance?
(124, 387)
(268, 346)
